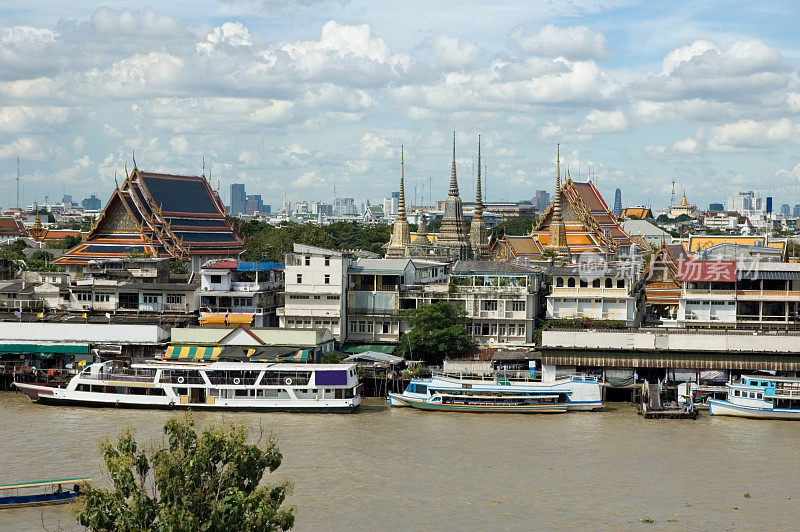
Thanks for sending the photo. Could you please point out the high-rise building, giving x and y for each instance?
(796, 211)
(716, 207)
(617, 203)
(785, 209)
(238, 199)
(344, 206)
(541, 200)
(743, 201)
(253, 204)
(92, 203)
(769, 204)
(67, 199)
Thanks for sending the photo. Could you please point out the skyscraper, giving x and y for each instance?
(92, 203)
(238, 199)
(617, 203)
(541, 200)
(796, 211)
(716, 207)
(785, 209)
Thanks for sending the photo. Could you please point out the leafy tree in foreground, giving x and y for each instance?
(207, 481)
(436, 331)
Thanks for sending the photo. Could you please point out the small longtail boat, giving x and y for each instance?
(41, 493)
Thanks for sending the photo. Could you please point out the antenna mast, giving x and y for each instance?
(17, 182)
(672, 198)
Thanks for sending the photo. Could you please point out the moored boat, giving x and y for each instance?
(209, 385)
(500, 395)
(40, 493)
(763, 397)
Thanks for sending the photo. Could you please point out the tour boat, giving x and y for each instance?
(209, 385)
(40, 493)
(760, 397)
(500, 395)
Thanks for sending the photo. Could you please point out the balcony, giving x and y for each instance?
(586, 292)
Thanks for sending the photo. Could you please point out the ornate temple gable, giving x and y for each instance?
(117, 218)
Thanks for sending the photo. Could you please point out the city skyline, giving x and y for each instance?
(294, 102)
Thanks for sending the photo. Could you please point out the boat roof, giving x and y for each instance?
(771, 378)
(502, 396)
(81, 480)
(272, 366)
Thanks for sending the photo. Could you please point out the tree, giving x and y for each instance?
(331, 357)
(436, 331)
(207, 481)
(272, 243)
(516, 226)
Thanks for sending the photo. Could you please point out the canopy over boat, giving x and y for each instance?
(45, 483)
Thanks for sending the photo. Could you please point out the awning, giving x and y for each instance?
(671, 359)
(72, 349)
(263, 355)
(360, 348)
(239, 319)
(191, 352)
(212, 318)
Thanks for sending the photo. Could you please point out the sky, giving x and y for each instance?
(298, 99)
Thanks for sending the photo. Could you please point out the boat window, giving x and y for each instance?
(421, 388)
(736, 393)
(759, 396)
(752, 395)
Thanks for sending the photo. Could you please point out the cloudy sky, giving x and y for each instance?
(296, 98)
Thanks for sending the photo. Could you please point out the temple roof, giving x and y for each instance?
(160, 215)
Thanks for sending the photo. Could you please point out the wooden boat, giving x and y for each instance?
(40, 493)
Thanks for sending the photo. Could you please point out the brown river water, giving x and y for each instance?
(402, 469)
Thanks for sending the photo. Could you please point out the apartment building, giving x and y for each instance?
(379, 290)
(604, 291)
(252, 291)
(725, 293)
(316, 290)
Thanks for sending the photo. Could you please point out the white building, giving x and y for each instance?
(608, 292)
(316, 290)
(250, 290)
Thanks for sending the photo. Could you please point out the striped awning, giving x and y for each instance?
(192, 352)
(301, 356)
(212, 318)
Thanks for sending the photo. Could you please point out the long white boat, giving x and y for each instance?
(212, 385)
(756, 396)
(500, 395)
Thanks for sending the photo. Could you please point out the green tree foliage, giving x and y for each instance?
(13, 250)
(434, 225)
(197, 482)
(268, 242)
(349, 235)
(41, 261)
(436, 331)
(331, 357)
(178, 266)
(516, 226)
(272, 243)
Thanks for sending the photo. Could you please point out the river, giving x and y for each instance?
(405, 469)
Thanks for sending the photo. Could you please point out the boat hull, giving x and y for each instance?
(396, 399)
(22, 501)
(559, 408)
(60, 397)
(718, 407)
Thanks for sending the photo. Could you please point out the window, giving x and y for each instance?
(559, 282)
(317, 297)
(327, 278)
(174, 299)
(518, 306)
(216, 279)
(490, 304)
(737, 393)
(332, 298)
(584, 283)
(620, 283)
(502, 329)
(299, 278)
(512, 329)
(327, 261)
(385, 327)
(102, 298)
(151, 298)
(308, 260)
(83, 296)
(361, 326)
(609, 283)
(571, 282)
(596, 283)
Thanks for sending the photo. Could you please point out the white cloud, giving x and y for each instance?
(111, 131)
(230, 33)
(179, 144)
(572, 42)
(25, 147)
(24, 118)
(454, 53)
(748, 135)
(604, 122)
(308, 179)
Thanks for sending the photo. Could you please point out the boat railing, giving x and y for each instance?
(512, 375)
(119, 375)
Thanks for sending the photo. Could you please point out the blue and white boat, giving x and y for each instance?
(500, 395)
(756, 396)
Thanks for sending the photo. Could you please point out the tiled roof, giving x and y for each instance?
(160, 215)
(12, 227)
